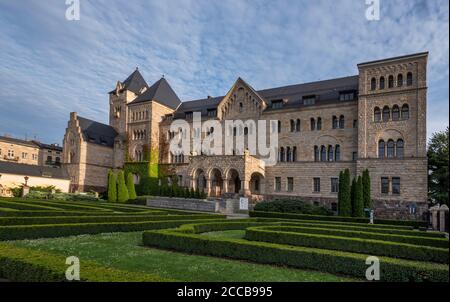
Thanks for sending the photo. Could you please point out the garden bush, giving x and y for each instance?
(334, 262)
(291, 206)
(356, 245)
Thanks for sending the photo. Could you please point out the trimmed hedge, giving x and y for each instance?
(27, 265)
(411, 223)
(291, 206)
(355, 245)
(24, 206)
(332, 231)
(94, 219)
(63, 230)
(334, 262)
(57, 205)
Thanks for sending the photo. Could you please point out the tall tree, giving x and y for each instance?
(352, 195)
(340, 190)
(358, 204)
(130, 187)
(122, 191)
(366, 189)
(112, 187)
(438, 166)
(346, 202)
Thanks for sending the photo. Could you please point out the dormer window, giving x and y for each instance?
(346, 95)
(276, 104)
(189, 115)
(212, 112)
(309, 100)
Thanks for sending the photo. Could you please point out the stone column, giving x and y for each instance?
(443, 214)
(225, 185)
(208, 187)
(245, 188)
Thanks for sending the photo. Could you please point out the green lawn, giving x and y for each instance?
(125, 251)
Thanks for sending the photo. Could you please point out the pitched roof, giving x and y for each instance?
(33, 170)
(97, 133)
(326, 92)
(135, 82)
(13, 140)
(48, 146)
(160, 92)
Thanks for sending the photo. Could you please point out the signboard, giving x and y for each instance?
(243, 203)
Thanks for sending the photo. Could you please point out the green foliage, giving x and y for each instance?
(130, 187)
(291, 206)
(357, 198)
(122, 191)
(408, 223)
(27, 265)
(438, 167)
(112, 187)
(367, 196)
(352, 195)
(345, 202)
(300, 257)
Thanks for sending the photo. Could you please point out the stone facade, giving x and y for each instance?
(375, 120)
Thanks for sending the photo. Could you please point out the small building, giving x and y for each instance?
(13, 175)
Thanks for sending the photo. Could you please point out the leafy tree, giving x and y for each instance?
(345, 202)
(192, 193)
(130, 187)
(438, 166)
(358, 203)
(112, 187)
(366, 189)
(122, 191)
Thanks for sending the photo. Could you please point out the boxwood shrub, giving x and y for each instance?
(291, 206)
(411, 223)
(27, 265)
(335, 262)
(356, 245)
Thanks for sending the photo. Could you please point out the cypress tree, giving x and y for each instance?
(346, 204)
(352, 196)
(130, 187)
(358, 207)
(366, 189)
(340, 190)
(112, 187)
(122, 191)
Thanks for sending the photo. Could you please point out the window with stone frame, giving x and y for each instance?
(290, 184)
(297, 125)
(334, 185)
(396, 185)
(399, 148)
(316, 153)
(386, 113)
(377, 114)
(381, 149)
(399, 80)
(373, 84)
(337, 153)
(384, 185)
(409, 79)
(341, 122)
(334, 122)
(391, 81)
(405, 112)
(316, 184)
(313, 124)
(395, 113)
(277, 184)
(319, 123)
(382, 83)
(390, 148)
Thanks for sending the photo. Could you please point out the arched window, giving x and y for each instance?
(323, 153)
(313, 124)
(395, 113)
(330, 153)
(341, 122)
(386, 114)
(381, 148)
(391, 81)
(405, 112)
(294, 154)
(399, 148)
(316, 153)
(279, 126)
(281, 154)
(399, 80)
(288, 154)
(382, 83)
(377, 114)
(373, 84)
(297, 125)
(241, 107)
(390, 148)
(334, 123)
(409, 79)
(337, 153)
(292, 126)
(319, 123)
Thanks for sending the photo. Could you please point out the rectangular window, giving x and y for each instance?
(10, 153)
(212, 112)
(384, 185)
(277, 184)
(277, 104)
(334, 185)
(309, 100)
(347, 96)
(24, 155)
(35, 157)
(396, 185)
(290, 184)
(354, 155)
(189, 115)
(316, 183)
(355, 124)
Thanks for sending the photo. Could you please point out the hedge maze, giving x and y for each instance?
(334, 247)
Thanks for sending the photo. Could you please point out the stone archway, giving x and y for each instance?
(234, 181)
(216, 183)
(257, 184)
(200, 180)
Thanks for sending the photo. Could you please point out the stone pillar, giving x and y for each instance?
(434, 217)
(443, 218)
(25, 190)
(225, 185)
(245, 188)
(208, 187)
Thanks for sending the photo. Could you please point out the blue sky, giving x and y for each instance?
(50, 66)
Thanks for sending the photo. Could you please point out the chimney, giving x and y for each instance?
(73, 115)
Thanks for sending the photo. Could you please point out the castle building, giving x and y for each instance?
(375, 120)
